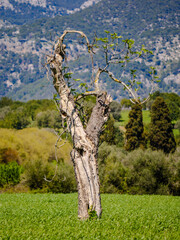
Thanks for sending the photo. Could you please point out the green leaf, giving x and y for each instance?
(133, 71)
(77, 79)
(81, 85)
(68, 75)
(96, 46)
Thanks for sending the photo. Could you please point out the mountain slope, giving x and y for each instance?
(155, 23)
(26, 11)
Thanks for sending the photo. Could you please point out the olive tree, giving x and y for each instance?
(85, 138)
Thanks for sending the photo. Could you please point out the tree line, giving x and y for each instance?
(164, 111)
(128, 163)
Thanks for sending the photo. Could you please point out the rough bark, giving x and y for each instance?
(85, 141)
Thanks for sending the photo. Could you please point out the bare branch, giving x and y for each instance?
(96, 81)
(94, 93)
(74, 31)
(116, 80)
(147, 99)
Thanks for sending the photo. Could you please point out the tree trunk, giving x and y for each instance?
(85, 141)
(85, 160)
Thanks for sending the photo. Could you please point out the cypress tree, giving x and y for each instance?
(134, 129)
(161, 130)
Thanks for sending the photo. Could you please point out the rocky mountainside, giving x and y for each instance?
(26, 11)
(29, 28)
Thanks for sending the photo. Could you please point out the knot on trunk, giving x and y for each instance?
(60, 49)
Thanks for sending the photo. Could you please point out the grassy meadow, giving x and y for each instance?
(125, 117)
(54, 216)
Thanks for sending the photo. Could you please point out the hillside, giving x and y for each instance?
(32, 144)
(26, 11)
(153, 23)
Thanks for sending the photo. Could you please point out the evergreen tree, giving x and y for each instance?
(111, 134)
(161, 134)
(134, 129)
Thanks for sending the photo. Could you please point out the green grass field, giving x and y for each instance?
(54, 216)
(125, 118)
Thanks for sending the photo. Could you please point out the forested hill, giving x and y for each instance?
(154, 23)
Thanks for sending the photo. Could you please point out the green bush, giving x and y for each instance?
(115, 108)
(149, 172)
(174, 166)
(65, 181)
(3, 112)
(17, 119)
(35, 172)
(49, 119)
(138, 172)
(5, 101)
(9, 174)
(111, 171)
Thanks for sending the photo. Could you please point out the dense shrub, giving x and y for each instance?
(9, 174)
(138, 172)
(49, 119)
(35, 172)
(65, 181)
(174, 166)
(151, 172)
(115, 108)
(17, 119)
(3, 112)
(111, 171)
(33, 107)
(8, 155)
(5, 101)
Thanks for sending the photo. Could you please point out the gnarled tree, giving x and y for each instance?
(85, 138)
